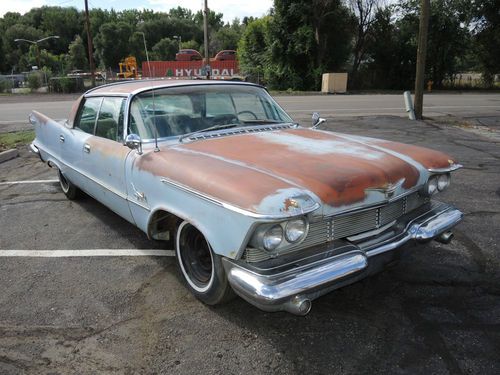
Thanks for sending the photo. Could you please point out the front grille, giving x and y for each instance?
(346, 225)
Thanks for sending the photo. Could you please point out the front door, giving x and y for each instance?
(104, 155)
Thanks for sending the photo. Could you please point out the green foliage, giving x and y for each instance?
(290, 48)
(16, 139)
(253, 49)
(77, 54)
(487, 38)
(66, 85)
(5, 85)
(190, 44)
(165, 49)
(112, 42)
(307, 40)
(226, 37)
(34, 80)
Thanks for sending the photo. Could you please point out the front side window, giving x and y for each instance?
(110, 119)
(176, 111)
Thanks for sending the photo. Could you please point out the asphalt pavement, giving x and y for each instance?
(437, 312)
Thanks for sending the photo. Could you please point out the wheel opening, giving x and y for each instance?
(195, 256)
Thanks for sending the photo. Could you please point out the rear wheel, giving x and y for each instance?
(200, 267)
(70, 190)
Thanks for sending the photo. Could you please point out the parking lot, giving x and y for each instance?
(437, 312)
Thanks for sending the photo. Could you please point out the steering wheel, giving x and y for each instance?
(225, 119)
(250, 113)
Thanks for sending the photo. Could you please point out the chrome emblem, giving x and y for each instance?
(389, 190)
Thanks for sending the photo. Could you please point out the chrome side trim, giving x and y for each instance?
(451, 168)
(239, 210)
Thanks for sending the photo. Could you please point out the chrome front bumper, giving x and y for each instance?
(292, 287)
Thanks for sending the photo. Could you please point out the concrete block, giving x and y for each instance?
(9, 154)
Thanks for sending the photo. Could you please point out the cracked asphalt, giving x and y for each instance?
(437, 311)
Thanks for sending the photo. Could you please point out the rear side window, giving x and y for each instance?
(88, 115)
(110, 120)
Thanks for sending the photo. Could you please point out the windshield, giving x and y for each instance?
(176, 111)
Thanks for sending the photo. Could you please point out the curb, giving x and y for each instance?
(9, 154)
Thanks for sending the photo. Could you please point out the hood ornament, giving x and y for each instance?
(388, 190)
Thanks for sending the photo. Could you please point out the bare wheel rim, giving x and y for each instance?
(64, 183)
(195, 257)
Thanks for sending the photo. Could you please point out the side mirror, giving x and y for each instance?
(134, 142)
(317, 120)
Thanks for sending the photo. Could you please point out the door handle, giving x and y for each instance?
(61, 138)
(86, 148)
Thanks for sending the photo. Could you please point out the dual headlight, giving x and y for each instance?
(288, 232)
(436, 183)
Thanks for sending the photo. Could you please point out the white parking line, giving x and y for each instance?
(87, 253)
(29, 182)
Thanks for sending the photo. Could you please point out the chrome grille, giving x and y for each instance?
(346, 225)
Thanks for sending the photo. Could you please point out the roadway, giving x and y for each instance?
(14, 111)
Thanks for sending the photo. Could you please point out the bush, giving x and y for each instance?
(5, 85)
(66, 85)
(34, 81)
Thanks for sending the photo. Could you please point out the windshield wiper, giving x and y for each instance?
(215, 127)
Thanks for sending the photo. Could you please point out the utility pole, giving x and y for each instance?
(421, 56)
(89, 44)
(205, 32)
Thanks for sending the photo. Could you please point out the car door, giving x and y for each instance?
(104, 156)
(71, 141)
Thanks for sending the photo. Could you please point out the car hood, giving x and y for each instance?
(288, 171)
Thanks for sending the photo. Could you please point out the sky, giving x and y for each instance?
(230, 8)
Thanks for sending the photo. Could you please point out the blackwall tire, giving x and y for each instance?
(70, 190)
(200, 267)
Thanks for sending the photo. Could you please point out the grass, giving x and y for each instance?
(15, 139)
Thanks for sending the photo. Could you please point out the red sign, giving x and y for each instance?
(188, 69)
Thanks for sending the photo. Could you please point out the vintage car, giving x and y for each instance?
(252, 202)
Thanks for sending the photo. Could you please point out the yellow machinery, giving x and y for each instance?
(128, 68)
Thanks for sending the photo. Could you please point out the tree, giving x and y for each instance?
(307, 40)
(226, 37)
(253, 48)
(111, 43)
(487, 38)
(77, 54)
(364, 11)
(165, 49)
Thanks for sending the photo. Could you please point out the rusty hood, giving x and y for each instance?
(275, 172)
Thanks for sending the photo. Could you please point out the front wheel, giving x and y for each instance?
(200, 267)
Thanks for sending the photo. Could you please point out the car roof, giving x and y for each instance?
(134, 87)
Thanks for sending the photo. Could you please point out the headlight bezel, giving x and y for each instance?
(432, 185)
(257, 240)
(268, 234)
(287, 228)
